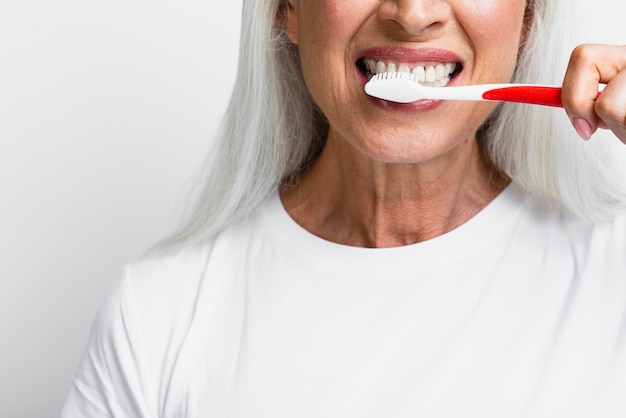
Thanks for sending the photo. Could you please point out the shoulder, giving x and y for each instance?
(153, 302)
(165, 289)
(141, 328)
(552, 216)
(136, 337)
(542, 231)
(167, 278)
(596, 247)
(607, 236)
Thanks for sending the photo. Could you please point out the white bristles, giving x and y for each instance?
(394, 75)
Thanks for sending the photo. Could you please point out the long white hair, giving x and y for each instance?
(272, 129)
(537, 146)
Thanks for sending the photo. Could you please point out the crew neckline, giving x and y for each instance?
(471, 236)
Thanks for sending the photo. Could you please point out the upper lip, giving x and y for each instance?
(411, 56)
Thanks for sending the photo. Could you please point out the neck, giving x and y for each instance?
(348, 198)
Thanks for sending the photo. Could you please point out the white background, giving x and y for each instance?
(106, 109)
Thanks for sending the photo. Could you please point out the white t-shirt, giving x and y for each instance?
(520, 312)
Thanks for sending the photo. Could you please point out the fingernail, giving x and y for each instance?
(582, 127)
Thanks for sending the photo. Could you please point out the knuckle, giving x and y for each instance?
(572, 101)
(584, 53)
(611, 110)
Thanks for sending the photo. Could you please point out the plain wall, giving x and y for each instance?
(106, 109)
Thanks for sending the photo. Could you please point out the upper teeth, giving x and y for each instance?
(431, 75)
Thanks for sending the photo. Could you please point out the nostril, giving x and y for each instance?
(415, 17)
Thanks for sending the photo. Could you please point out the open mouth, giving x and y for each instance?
(430, 75)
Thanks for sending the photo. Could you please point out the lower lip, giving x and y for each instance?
(418, 106)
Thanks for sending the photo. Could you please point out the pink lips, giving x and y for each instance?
(412, 57)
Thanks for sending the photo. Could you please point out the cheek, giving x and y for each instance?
(497, 13)
(495, 29)
(326, 29)
(500, 21)
(322, 22)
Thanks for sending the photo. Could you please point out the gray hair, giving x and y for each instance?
(272, 129)
(537, 146)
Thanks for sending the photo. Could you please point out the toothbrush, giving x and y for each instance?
(403, 88)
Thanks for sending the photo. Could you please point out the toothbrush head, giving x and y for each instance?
(396, 87)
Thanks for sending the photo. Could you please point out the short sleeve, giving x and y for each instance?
(111, 380)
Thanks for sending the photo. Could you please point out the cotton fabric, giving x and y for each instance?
(520, 312)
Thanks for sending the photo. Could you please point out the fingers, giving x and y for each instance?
(611, 106)
(590, 65)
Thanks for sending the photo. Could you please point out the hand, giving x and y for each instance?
(588, 66)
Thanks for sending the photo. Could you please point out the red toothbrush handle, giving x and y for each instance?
(539, 95)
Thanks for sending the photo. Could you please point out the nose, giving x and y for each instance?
(415, 16)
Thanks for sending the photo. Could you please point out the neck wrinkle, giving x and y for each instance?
(354, 200)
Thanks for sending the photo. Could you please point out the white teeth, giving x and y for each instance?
(381, 67)
(440, 71)
(371, 64)
(441, 83)
(419, 73)
(432, 74)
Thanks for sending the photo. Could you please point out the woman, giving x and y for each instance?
(353, 257)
